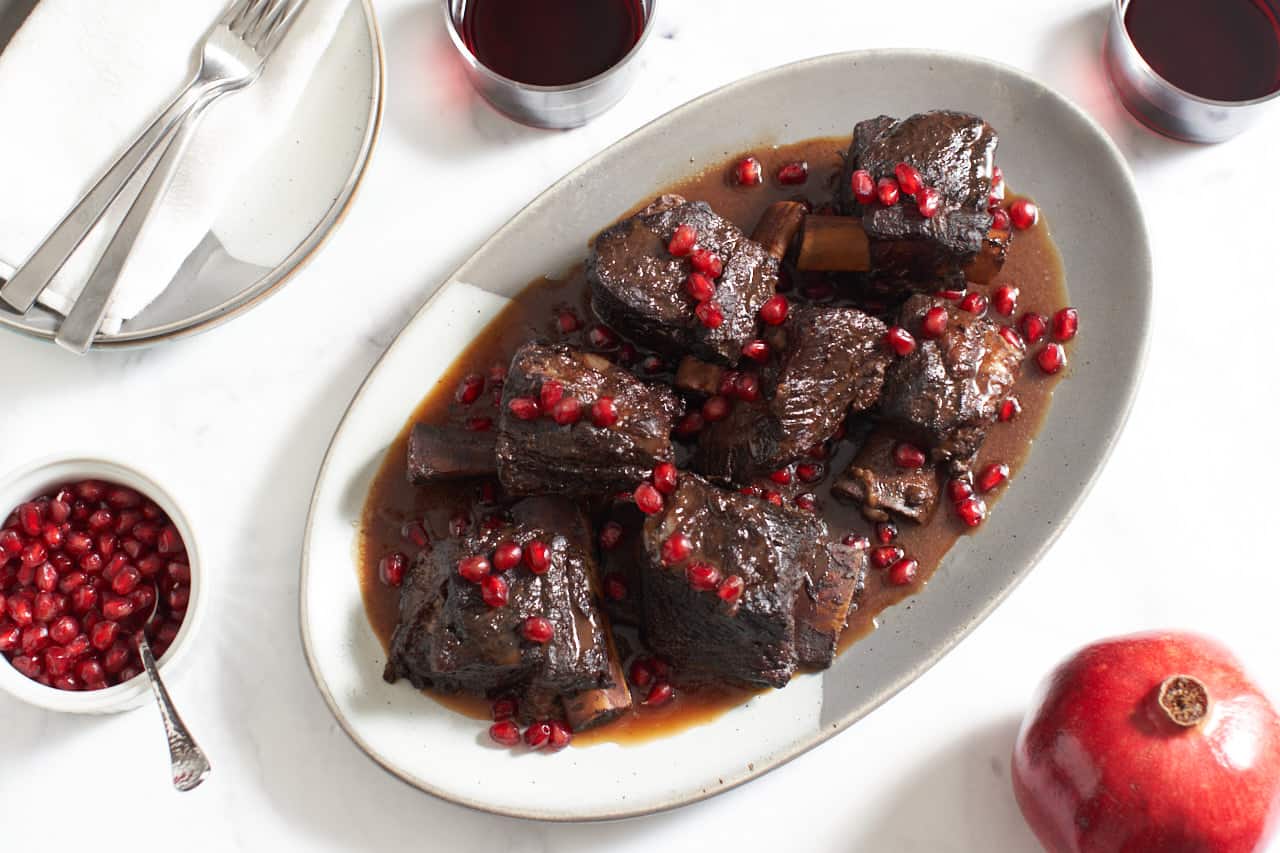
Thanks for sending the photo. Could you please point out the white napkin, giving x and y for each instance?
(79, 81)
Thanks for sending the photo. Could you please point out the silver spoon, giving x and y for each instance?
(187, 761)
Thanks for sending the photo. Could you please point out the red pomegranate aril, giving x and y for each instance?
(507, 555)
(709, 314)
(10, 636)
(64, 630)
(505, 732)
(972, 511)
(900, 341)
(904, 571)
(549, 394)
(34, 554)
(78, 543)
(731, 588)
(682, 241)
(774, 310)
(603, 413)
(505, 708)
(106, 545)
(537, 735)
(1000, 219)
(101, 520)
(1052, 358)
(641, 673)
(30, 518)
(147, 534)
(116, 658)
(862, 186)
(494, 591)
(747, 387)
(934, 323)
(615, 587)
(782, 476)
(1010, 409)
(567, 321)
(126, 581)
(715, 409)
(958, 490)
(885, 556)
(659, 694)
(699, 287)
(1033, 327)
(706, 262)
(909, 178)
(794, 173)
(170, 541)
(992, 477)
(151, 565)
(887, 191)
(57, 662)
(391, 569)
(748, 173)
(610, 535)
(60, 507)
(83, 599)
(974, 302)
(114, 565)
(474, 568)
(178, 572)
(809, 473)
(35, 639)
(1065, 324)
(675, 550)
(1011, 336)
(132, 548)
(561, 735)
(415, 532)
(756, 350)
(907, 455)
(469, 389)
(122, 497)
(537, 629)
(665, 477)
(143, 597)
(116, 609)
(524, 408)
(703, 577)
(52, 535)
(46, 577)
(807, 501)
(1004, 299)
(11, 544)
(886, 532)
(28, 666)
(929, 202)
(648, 499)
(91, 673)
(1023, 213)
(567, 412)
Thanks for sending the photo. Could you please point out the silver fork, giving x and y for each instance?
(231, 57)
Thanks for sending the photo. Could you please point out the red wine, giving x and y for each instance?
(1227, 50)
(551, 42)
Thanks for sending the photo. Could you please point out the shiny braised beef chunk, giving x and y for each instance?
(880, 486)
(560, 449)
(828, 598)
(721, 578)
(948, 391)
(449, 453)
(834, 363)
(954, 153)
(638, 286)
(451, 639)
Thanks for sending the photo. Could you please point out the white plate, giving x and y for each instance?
(1048, 148)
(294, 197)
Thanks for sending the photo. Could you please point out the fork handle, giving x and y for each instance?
(30, 279)
(80, 326)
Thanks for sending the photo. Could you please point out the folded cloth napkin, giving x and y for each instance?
(79, 81)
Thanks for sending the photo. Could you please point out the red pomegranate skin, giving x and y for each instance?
(1099, 767)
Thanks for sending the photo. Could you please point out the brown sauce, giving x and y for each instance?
(1033, 265)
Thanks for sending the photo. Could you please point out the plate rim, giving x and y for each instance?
(284, 272)
(908, 675)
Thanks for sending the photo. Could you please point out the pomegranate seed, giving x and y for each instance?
(909, 178)
(648, 499)
(807, 501)
(494, 591)
(715, 409)
(682, 241)
(675, 550)
(1010, 409)
(907, 455)
(537, 735)
(992, 477)
(537, 556)
(703, 577)
(610, 535)
(10, 636)
(507, 555)
(1023, 213)
(699, 287)
(122, 497)
(567, 412)
(505, 732)
(1065, 324)
(748, 172)
(60, 507)
(690, 425)
(64, 630)
(709, 315)
(116, 609)
(782, 476)
(27, 665)
(652, 364)
(1033, 327)
(1005, 300)
(706, 262)
(603, 413)
(11, 543)
(1000, 219)
(474, 568)
(659, 694)
(470, 389)
(1052, 358)
(615, 587)
(641, 673)
(391, 569)
(660, 668)
(115, 658)
(934, 323)
(52, 535)
(794, 173)
(103, 635)
(972, 511)
(665, 477)
(773, 498)
(91, 673)
(147, 534)
(863, 187)
(78, 543)
(903, 572)
(35, 639)
(101, 520)
(536, 629)
(751, 491)
(30, 518)
(151, 565)
(567, 321)
(505, 708)
(84, 599)
(1012, 338)
(809, 473)
(746, 387)
(974, 302)
(885, 556)
(887, 191)
(886, 532)
(958, 490)
(756, 350)
(561, 735)
(416, 533)
(929, 202)
(774, 310)
(853, 540)
(549, 394)
(46, 577)
(900, 341)
(34, 554)
(524, 408)
(126, 580)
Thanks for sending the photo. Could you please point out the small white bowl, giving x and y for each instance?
(40, 477)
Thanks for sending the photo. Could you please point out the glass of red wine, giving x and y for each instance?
(1196, 70)
(550, 63)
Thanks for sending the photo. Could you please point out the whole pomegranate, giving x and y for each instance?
(1150, 742)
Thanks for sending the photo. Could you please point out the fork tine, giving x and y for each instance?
(280, 28)
(234, 11)
(269, 17)
(249, 18)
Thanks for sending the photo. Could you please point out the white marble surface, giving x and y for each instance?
(236, 422)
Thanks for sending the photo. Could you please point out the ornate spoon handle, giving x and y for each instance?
(189, 765)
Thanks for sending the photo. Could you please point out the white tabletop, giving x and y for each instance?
(236, 421)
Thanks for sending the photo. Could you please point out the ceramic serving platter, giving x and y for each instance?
(1049, 149)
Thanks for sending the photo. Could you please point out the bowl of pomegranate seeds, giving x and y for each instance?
(91, 553)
